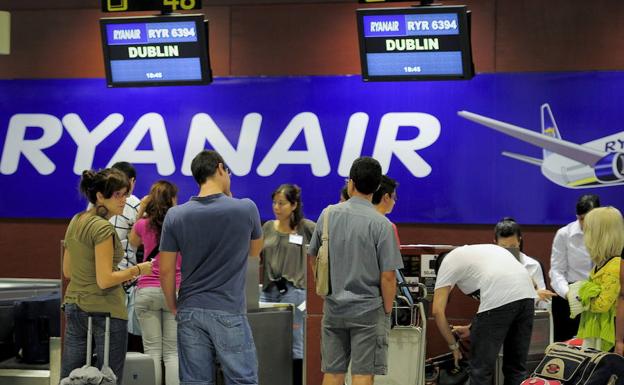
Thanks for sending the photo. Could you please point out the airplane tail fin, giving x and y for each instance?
(549, 126)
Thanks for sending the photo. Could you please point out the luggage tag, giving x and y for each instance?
(296, 239)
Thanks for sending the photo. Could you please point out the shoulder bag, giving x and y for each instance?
(321, 263)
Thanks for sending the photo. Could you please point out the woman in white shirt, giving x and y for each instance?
(569, 262)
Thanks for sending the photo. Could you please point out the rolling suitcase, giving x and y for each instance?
(89, 374)
(407, 339)
(138, 369)
(406, 354)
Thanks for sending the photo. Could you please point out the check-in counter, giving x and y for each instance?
(271, 326)
(272, 331)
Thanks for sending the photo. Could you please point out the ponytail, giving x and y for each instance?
(105, 181)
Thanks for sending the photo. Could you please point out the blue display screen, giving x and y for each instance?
(415, 43)
(411, 25)
(155, 50)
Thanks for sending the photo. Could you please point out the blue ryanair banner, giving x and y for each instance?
(521, 145)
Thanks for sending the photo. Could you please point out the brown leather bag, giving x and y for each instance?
(321, 263)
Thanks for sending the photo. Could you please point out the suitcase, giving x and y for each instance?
(89, 374)
(406, 351)
(138, 369)
(36, 320)
(406, 357)
(574, 365)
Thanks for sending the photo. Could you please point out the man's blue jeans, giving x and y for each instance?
(75, 341)
(206, 336)
(509, 326)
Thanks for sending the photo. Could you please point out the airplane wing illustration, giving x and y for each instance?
(570, 150)
(523, 158)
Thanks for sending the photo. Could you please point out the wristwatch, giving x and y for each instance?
(454, 345)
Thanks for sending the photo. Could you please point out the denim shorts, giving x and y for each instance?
(206, 336)
(361, 340)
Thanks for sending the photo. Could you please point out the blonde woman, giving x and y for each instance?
(619, 317)
(604, 239)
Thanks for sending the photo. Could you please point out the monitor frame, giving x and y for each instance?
(464, 21)
(201, 26)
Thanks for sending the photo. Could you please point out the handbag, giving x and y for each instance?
(321, 262)
(441, 370)
(140, 255)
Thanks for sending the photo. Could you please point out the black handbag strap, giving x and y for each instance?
(152, 253)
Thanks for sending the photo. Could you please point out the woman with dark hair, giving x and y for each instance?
(284, 260)
(158, 324)
(507, 234)
(92, 252)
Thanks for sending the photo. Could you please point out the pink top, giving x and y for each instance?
(150, 238)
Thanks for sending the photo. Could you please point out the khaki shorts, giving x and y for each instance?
(361, 340)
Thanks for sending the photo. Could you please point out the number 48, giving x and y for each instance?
(184, 4)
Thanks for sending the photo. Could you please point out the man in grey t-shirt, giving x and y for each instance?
(215, 234)
(363, 255)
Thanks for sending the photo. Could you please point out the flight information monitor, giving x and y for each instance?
(156, 50)
(418, 43)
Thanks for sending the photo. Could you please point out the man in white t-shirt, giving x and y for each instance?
(569, 262)
(505, 314)
(123, 224)
(507, 234)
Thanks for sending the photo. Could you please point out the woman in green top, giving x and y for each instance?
(92, 252)
(284, 261)
(603, 231)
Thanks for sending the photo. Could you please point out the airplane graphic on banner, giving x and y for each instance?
(568, 164)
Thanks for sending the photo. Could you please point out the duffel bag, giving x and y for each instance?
(574, 365)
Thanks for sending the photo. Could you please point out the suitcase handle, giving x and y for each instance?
(98, 314)
(106, 337)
